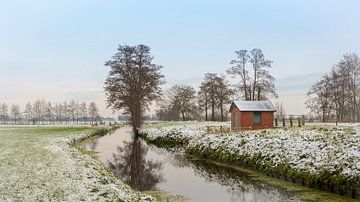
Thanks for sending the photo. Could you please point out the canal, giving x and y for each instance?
(149, 168)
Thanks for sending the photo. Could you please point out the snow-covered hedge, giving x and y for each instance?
(325, 158)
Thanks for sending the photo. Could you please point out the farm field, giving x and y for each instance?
(39, 163)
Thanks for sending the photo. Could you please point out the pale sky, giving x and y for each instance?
(56, 50)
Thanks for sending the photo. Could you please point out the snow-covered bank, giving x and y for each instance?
(42, 164)
(326, 158)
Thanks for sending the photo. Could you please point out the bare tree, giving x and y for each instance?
(133, 82)
(37, 111)
(83, 111)
(182, 99)
(337, 94)
(4, 112)
(239, 69)
(28, 113)
(48, 112)
(93, 112)
(72, 111)
(203, 100)
(222, 93)
(260, 85)
(319, 98)
(216, 92)
(15, 112)
(280, 110)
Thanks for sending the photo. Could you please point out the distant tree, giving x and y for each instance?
(222, 93)
(37, 111)
(3, 112)
(93, 112)
(337, 94)
(166, 112)
(280, 110)
(28, 113)
(58, 113)
(260, 85)
(133, 82)
(214, 93)
(48, 112)
(209, 86)
(203, 100)
(83, 111)
(182, 100)
(319, 98)
(15, 112)
(72, 110)
(65, 111)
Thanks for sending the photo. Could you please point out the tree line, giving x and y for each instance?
(44, 112)
(133, 84)
(336, 96)
(182, 102)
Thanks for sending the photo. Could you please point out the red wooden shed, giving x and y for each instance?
(252, 115)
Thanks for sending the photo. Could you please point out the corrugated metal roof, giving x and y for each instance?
(264, 106)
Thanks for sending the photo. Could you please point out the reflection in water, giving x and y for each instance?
(93, 144)
(130, 165)
(239, 184)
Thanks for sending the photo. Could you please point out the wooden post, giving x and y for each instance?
(276, 122)
(221, 130)
(207, 129)
(299, 122)
(283, 122)
(291, 123)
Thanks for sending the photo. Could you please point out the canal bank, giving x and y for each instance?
(257, 149)
(156, 170)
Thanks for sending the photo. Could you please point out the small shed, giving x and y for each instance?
(252, 115)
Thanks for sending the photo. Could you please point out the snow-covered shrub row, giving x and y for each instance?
(177, 135)
(311, 155)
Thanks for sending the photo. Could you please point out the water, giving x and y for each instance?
(146, 167)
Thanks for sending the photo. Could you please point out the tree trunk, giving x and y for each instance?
(213, 110)
(206, 112)
(183, 116)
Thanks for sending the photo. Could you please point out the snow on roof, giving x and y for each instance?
(264, 106)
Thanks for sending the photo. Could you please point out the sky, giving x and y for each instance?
(56, 50)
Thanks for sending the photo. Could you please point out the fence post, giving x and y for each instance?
(283, 122)
(291, 123)
(207, 129)
(221, 129)
(276, 122)
(299, 122)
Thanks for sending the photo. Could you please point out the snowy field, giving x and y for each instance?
(39, 163)
(308, 149)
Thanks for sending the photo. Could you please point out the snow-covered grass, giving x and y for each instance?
(41, 163)
(314, 155)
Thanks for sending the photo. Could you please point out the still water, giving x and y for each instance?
(147, 167)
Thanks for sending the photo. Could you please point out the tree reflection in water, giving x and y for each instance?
(240, 185)
(129, 164)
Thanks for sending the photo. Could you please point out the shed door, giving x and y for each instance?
(236, 120)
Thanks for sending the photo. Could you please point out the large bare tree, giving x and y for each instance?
(133, 82)
(260, 84)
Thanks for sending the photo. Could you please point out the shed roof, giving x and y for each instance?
(263, 106)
